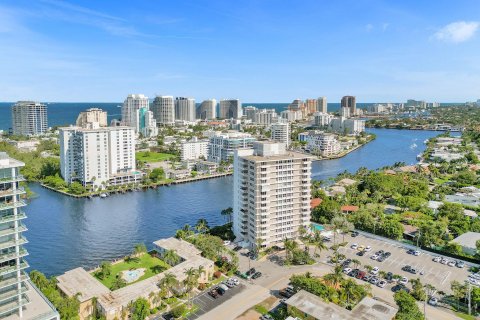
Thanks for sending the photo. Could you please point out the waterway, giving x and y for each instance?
(65, 232)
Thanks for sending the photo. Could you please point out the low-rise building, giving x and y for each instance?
(92, 115)
(468, 242)
(112, 304)
(223, 145)
(312, 307)
(322, 119)
(206, 167)
(344, 125)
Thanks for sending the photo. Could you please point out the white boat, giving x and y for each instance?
(413, 146)
(425, 141)
(103, 195)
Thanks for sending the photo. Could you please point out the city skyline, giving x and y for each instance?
(376, 51)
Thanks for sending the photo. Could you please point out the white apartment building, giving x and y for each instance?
(322, 105)
(207, 110)
(29, 118)
(345, 112)
(266, 116)
(222, 145)
(348, 126)
(291, 115)
(322, 144)
(132, 103)
(163, 108)
(89, 116)
(194, 149)
(280, 132)
(98, 155)
(231, 108)
(271, 194)
(322, 119)
(185, 109)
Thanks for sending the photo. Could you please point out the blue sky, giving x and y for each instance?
(257, 51)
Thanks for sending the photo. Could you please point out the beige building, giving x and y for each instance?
(112, 304)
(271, 193)
(86, 118)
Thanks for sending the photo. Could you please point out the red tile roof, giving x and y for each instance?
(349, 208)
(315, 202)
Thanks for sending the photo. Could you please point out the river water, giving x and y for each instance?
(65, 232)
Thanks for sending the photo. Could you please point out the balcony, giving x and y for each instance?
(12, 179)
(12, 293)
(13, 280)
(11, 205)
(6, 232)
(13, 255)
(11, 192)
(13, 243)
(10, 269)
(11, 217)
(12, 305)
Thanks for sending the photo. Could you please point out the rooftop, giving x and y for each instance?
(367, 309)
(7, 162)
(467, 239)
(80, 281)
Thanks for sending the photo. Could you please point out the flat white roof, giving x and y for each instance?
(468, 239)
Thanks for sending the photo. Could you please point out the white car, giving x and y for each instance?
(416, 253)
(473, 281)
(374, 257)
(381, 283)
(354, 246)
(226, 243)
(474, 276)
(347, 270)
(403, 281)
(437, 259)
(368, 248)
(234, 281)
(451, 263)
(444, 261)
(375, 270)
(433, 301)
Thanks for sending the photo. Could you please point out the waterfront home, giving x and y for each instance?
(113, 303)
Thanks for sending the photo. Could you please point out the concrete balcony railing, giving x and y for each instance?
(12, 305)
(11, 192)
(13, 255)
(9, 231)
(12, 205)
(13, 243)
(12, 179)
(11, 217)
(10, 269)
(13, 280)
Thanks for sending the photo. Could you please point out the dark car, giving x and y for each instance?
(219, 290)
(360, 253)
(285, 293)
(413, 271)
(354, 234)
(379, 252)
(387, 254)
(256, 275)
(389, 276)
(237, 248)
(381, 259)
(411, 251)
(346, 263)
(406, 268)
(399, 287)
(251, 271)
(213, 293)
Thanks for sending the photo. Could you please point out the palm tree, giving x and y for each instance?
(171, 257)
(202, 226)
(336, 277)
(356, 263)
(168, 281)
(258, 245)
(191, 280)
(319, 245)
(350, 289)
(290, 246)
(337, 223)
(201, 270)
(227, 213)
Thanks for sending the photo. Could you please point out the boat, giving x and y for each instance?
(425, 141)
(103, 195)
(413, 146)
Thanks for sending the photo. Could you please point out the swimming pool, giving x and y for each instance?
(317, 227)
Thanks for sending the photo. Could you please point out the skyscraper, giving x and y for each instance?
(98, 156)
(271, 194)
(322, 104)
(311, 105)
(185, 109)
(29, 118)
(350, 103)
(207, 110)
(132, 103)
(281, 132)
(163, 108)
(230, 109)
(20, 299)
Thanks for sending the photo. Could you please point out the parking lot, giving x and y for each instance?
(437, 274)
(206, 303)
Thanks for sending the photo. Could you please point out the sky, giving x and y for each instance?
(253, 50)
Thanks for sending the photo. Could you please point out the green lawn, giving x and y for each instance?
(149, 156)
(151, 264)
(464, 316)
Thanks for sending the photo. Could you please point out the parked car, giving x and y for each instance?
(433, 301)
(379, 252)
(374, 280)
(354, 234)
(361, 248)
(437, 259)
(235, 281)
(389, 276)
(220, 290)
(256, 275)
(381, 283)
(266, 317)
(354, 246)
(387, 254)
(229, 284)
(222, 286)
(251, 271)
(451, 263)
(361, 274)
(381, 258)
(226, 242)
(361, 253)
(375, 270)
(347, 270)
(374, 257)
(399, 287)
(460, 264)
(368, 248)
(285, 293)
(416, 253)
(237, 248)
(444, 261)
(367, 278)
(406, 268)
(213, 293)
(403, 281)
(410, 251)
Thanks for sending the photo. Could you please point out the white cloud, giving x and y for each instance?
(457, 32)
